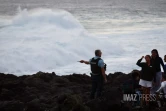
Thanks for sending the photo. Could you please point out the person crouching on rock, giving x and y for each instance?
(98, 75)
(162, 89)
(147, 75)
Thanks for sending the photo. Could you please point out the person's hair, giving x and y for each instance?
(165, 56)
(97, 52)
(155, 50)
(149, 56)
(135, 74)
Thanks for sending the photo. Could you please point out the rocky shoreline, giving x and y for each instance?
(50, 92)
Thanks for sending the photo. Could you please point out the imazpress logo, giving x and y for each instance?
(140, 97)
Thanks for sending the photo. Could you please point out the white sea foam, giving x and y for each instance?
(48, 40)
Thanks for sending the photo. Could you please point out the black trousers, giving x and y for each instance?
(97, 86)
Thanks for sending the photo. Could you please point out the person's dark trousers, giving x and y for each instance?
(97, 86)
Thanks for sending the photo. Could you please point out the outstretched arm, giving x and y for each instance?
(163, 85)
(83, 61)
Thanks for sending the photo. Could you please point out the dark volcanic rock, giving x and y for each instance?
(50, 92)
(11, 106)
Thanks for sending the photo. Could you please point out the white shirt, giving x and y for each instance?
(163, 86)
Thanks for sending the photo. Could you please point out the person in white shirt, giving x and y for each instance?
(163, 86)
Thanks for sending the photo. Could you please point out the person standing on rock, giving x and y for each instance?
(147, 75)
(98, 75)
(156, 62)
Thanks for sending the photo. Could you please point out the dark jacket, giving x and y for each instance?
(165, 69)
(156, 63)
(147, 72)
(94, 66)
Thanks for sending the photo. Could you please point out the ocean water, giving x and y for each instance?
(53, 35)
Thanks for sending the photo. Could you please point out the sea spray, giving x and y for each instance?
(48, 40)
